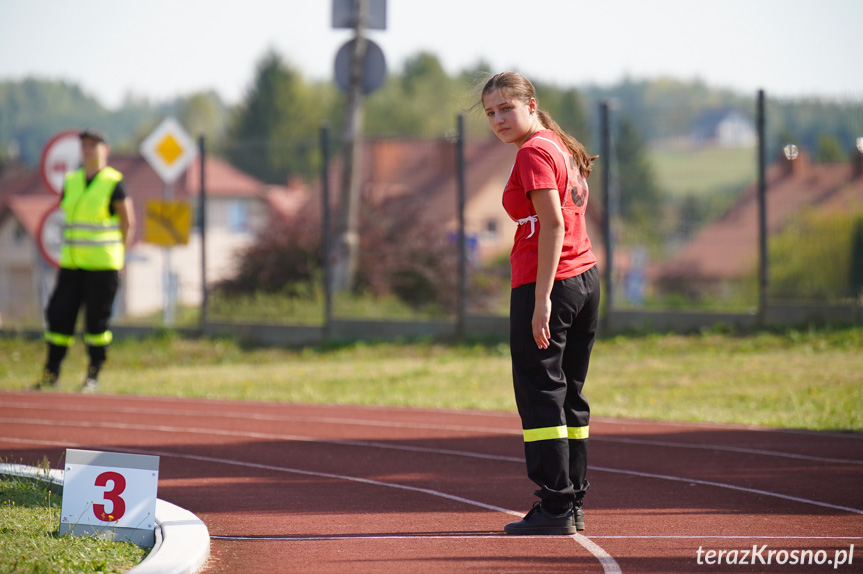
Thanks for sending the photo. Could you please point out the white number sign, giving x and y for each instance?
(110, 494)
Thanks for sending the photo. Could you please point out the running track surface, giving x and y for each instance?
(312, 488)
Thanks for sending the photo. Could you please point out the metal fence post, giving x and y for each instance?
(605, 155)
(462, 243)
(762, 212)
(325, 231)
(202, 216)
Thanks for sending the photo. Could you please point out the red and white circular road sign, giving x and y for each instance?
(51, 235)
(60, 155)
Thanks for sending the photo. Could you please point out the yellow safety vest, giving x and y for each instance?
(92, 239)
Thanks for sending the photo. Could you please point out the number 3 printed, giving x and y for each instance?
(118, 506)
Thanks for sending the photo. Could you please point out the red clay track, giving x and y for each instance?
(305, 488)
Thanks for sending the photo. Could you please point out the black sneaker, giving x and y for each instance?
(540, 521)
(579, 519)
(48, 380)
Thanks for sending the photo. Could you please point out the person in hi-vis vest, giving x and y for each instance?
(99, 225)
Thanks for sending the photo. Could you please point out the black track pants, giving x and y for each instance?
(95, 290)
(548, 385)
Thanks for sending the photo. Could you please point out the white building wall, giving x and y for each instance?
(26, 281)
(20, 291)
(144, 281)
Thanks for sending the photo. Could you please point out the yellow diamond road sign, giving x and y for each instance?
(168, 149)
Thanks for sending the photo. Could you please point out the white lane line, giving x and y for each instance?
(759, 452)
(526, 538)
(726, 537)
(286, 418)
(609, 565)
(389, 537)
(728, 426)
(453, 428)
(369, 444)
(184, 401)
(729, 487)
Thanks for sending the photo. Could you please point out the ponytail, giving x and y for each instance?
(582, 159)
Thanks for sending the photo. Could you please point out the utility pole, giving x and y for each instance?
(349, 238)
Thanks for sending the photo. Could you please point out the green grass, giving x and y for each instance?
(797, 379)
(274, 308)
(679, 172)
(30, 540)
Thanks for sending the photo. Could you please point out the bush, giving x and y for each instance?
(285, 258)
(402, 254)
(814, 257)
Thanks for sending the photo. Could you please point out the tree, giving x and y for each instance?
(275, 132)
(32, 111)
(829, 150)
(640, 200)
(204, 114)
(421, 101)
(567, 109)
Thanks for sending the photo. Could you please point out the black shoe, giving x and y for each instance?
(48, 380)
(579, 519)
(540, 521)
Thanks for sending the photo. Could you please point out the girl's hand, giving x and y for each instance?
(539, 323)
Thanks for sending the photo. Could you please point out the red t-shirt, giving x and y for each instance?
(540, 164)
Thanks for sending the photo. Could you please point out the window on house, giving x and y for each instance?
(491, 228)
(20, 234)
(238, 216)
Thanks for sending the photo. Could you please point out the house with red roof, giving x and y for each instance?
(726, 250)
(238, 206)
(424, 172)
(395, 170)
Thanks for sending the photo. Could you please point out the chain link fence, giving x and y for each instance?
(675, 209)
(684, 205)
(681, 197)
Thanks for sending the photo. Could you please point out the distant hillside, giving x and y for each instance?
(667, 108)
(32, 110)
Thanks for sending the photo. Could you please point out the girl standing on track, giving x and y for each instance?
(554, 305)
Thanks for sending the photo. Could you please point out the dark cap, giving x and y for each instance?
(93, 134)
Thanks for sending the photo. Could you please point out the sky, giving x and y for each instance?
(161, 49)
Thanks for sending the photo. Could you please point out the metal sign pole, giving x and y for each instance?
(168, 311)
(169, 150)
(202, 215)
(325, 207)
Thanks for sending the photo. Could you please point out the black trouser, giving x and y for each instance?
(95, 290)
(548, 385)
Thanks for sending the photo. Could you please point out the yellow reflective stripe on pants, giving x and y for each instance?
(58, 339)
(99, 340)
(550, 433)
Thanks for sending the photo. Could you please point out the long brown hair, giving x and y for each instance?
(514, 85)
